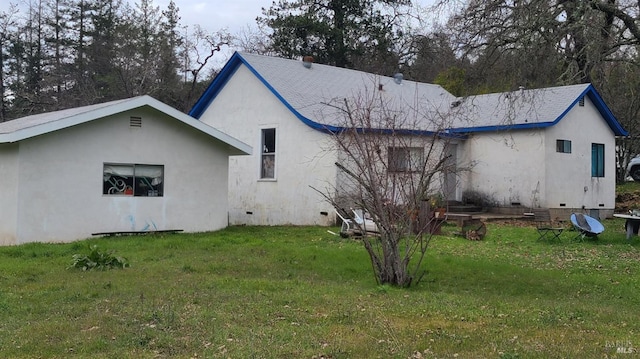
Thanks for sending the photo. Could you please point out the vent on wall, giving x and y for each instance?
(135, 121)
(581, 102)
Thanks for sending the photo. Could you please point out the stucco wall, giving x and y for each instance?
(523, 167)
(505, 168)
(568, 175)
(303, 158)
(61, 178)
(8, 193)
(399, 185)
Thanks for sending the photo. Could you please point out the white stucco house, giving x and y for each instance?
(128, 165)
(551, 148)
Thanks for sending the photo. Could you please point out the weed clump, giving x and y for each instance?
(96, 259)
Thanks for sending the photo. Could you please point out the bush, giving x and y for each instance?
(98, 260)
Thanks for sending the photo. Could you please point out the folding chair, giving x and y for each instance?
(586, 226)
(355, 224)
(544, 225)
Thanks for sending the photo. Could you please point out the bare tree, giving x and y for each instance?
(200, 47)
(390, 159)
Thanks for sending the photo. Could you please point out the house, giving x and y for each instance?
(551, 148)
(543, 148)
(128, 165)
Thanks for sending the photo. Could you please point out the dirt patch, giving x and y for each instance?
(628, 200)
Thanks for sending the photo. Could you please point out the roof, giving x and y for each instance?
(311, 94)
(522, 109)
(35, 125)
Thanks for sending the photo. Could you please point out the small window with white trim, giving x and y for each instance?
(133, 180)
(268, 155)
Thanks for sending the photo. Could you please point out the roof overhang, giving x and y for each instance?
(237, 60)
(590, 92)
(235, 147)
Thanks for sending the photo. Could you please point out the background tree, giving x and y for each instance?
(201, 47)
(344, 33)
(7, 38)
(58, 54)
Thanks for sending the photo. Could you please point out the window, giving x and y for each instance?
(597, 160)
(268, 160)
(405, 159)
(563, 146)
(133, 180)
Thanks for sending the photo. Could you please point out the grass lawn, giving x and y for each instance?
(300, 292)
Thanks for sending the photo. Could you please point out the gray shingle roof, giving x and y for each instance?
(35, 125)
(44, 118)
(312, 94)
(516, 108)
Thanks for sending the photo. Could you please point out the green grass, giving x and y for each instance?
(300, 292)
(628, 187)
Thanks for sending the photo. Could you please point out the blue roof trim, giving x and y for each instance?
(236, 60)
(590, 91)
(522, 126)
(227, 71)
(232, 66)
(597, 100)
(215, 87)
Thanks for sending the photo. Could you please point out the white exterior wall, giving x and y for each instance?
(61, 178)
(8, 193)
(399, 184)
(568, 175)
(242, 109)
(505, 168)
(523, 166)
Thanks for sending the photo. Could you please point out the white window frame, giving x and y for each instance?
(412, 161)
(135, 180)
(268, 154)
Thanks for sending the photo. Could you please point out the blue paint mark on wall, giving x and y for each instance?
(150, 226)
(132, 221)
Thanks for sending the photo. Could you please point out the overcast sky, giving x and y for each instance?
(232, 15)
(213, 15)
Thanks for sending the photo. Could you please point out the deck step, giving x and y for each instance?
(462, 208)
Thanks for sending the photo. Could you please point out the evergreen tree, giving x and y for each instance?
(344, 33)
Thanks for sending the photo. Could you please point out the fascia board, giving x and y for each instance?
(216, 86)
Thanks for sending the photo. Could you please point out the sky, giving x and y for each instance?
(233, 15)
(212, 15)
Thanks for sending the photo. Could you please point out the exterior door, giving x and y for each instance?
(450, 172)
